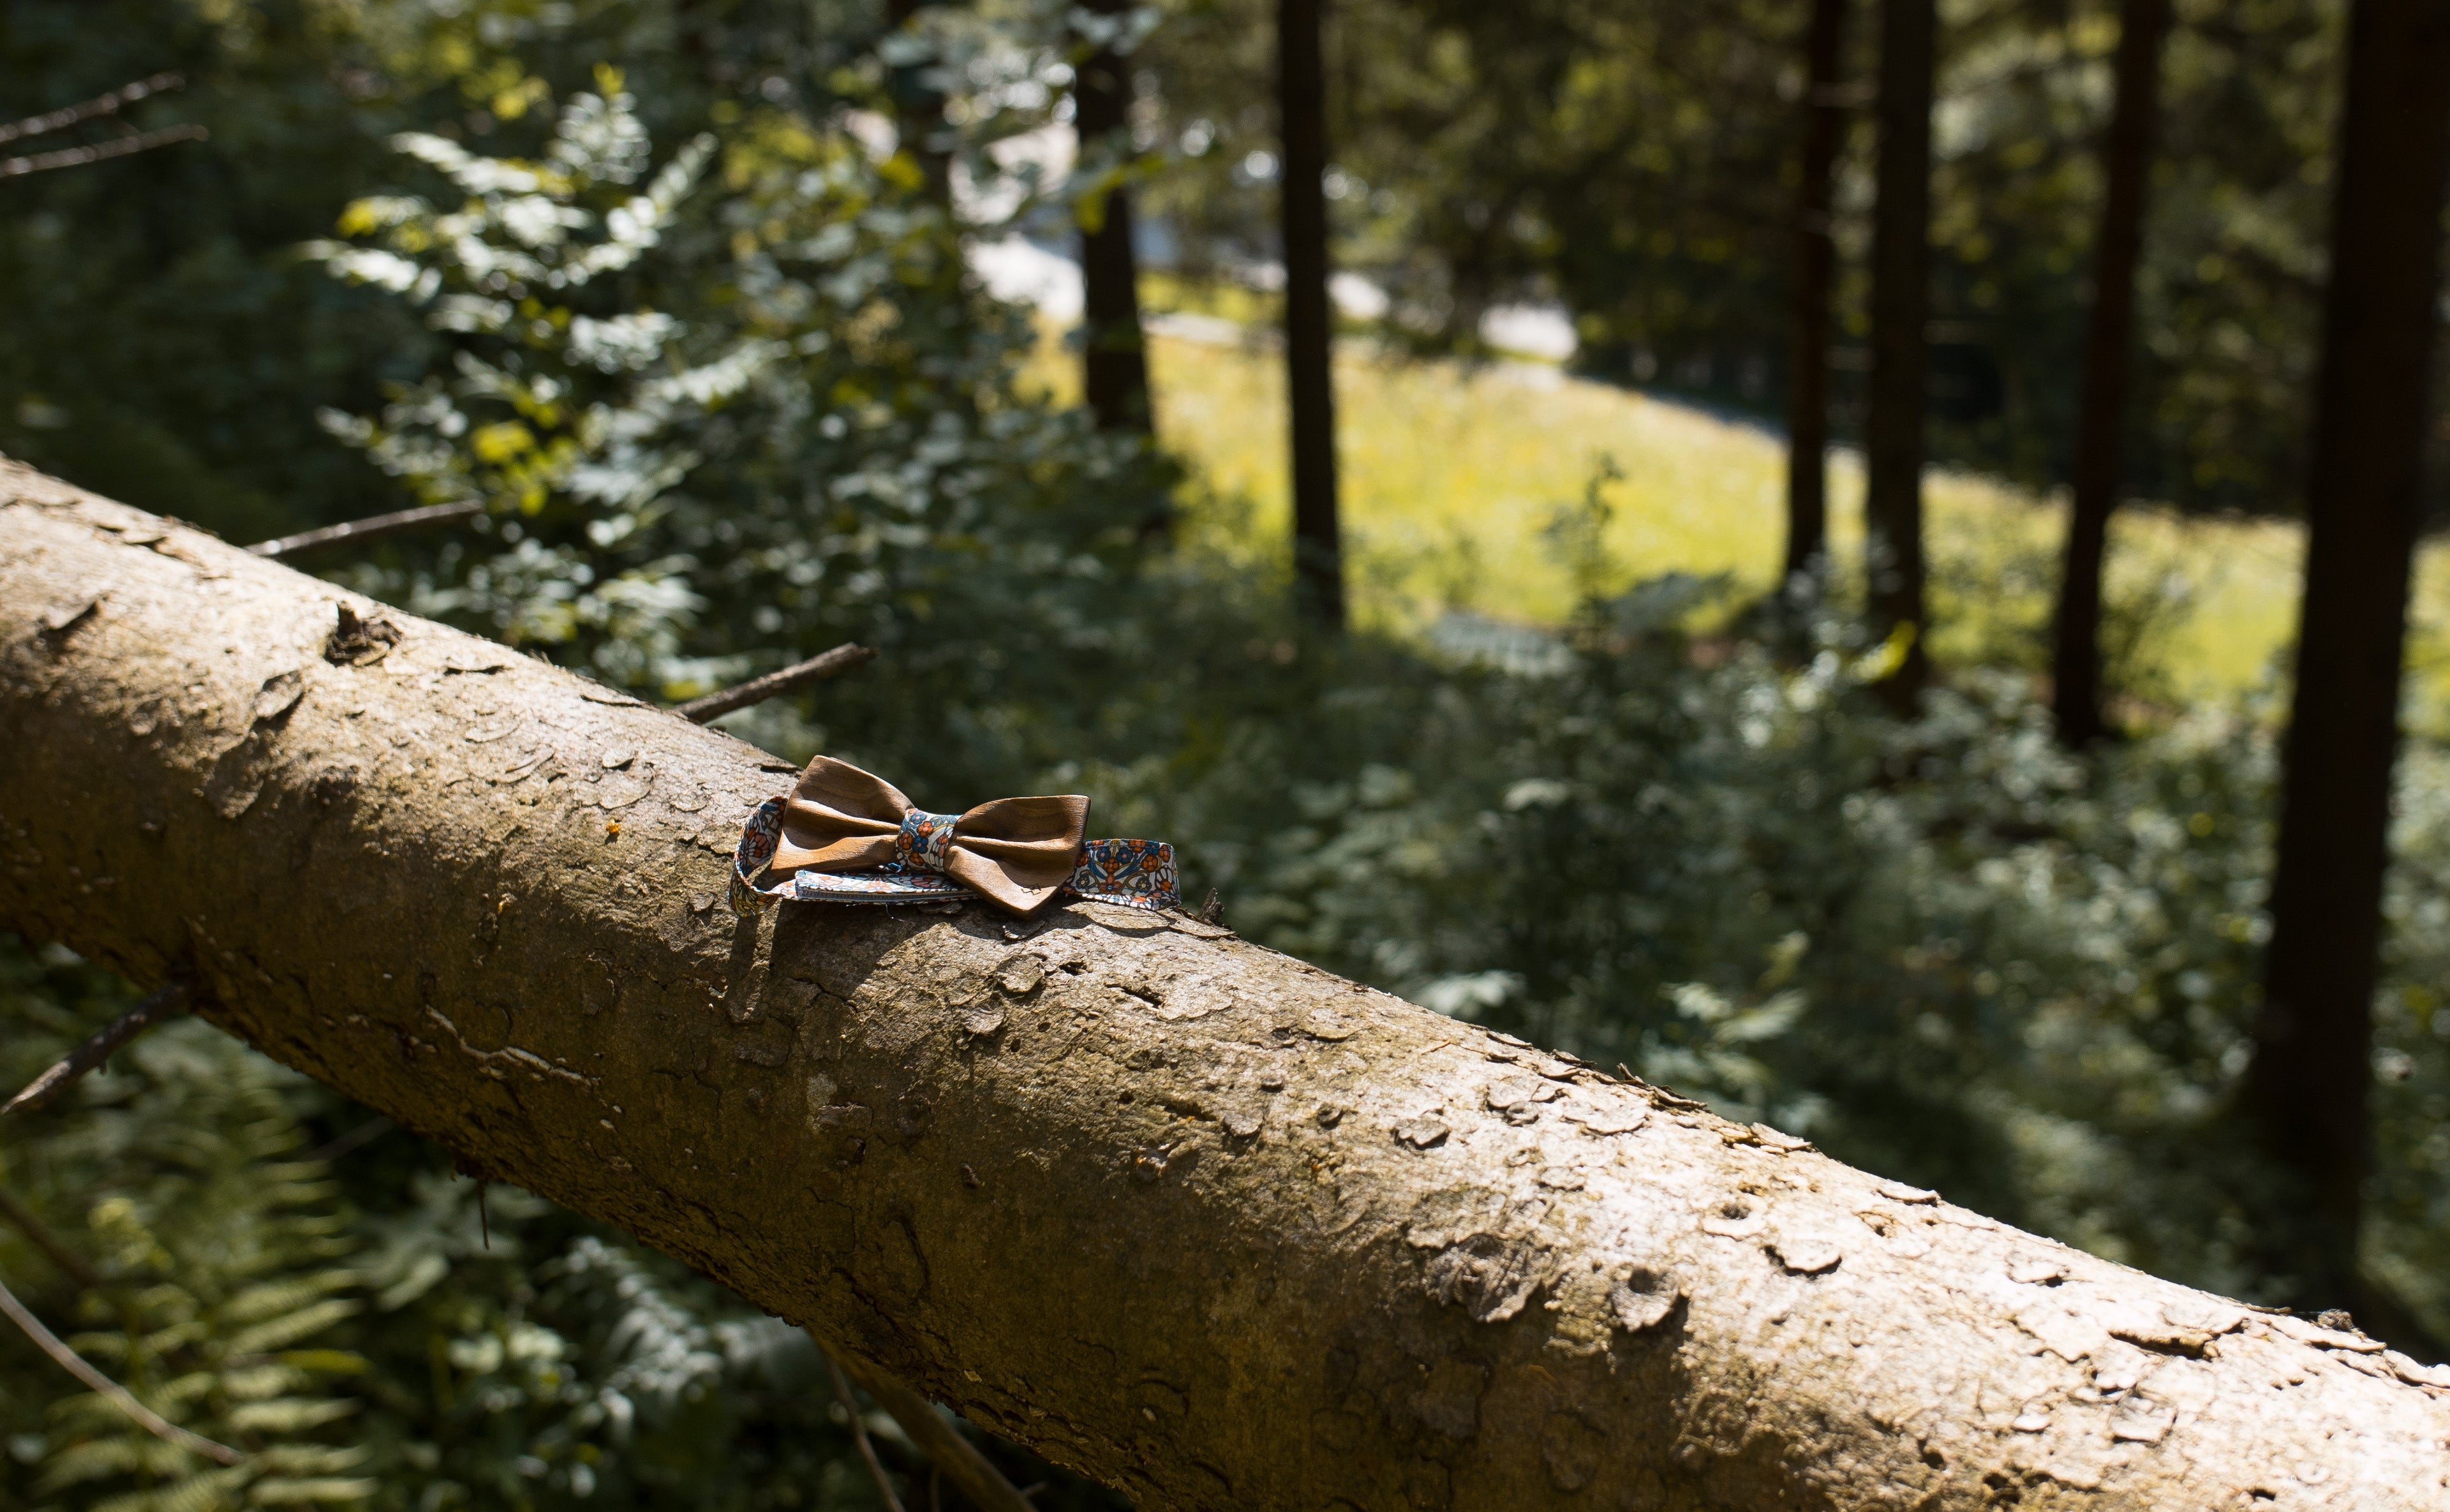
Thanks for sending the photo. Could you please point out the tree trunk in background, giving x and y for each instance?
(1816, 264)
(1893, 424)
(918, 109)
(1310, 383)
(2126, 163)
(2314, 1041)
(1199, 1221)
(1114, 359)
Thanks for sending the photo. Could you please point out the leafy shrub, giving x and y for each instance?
(1945, 949)
(743, 411)
(223, 1264)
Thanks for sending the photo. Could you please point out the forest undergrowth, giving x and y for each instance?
(730, 400)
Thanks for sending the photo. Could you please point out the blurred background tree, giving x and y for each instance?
(1638, 163)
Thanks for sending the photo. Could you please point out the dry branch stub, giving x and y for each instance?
(158, 1007)
(1207, 1224)
(354, 532)
(107, 104)
(774, 685)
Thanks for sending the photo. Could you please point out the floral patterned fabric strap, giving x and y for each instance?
(1135, 873)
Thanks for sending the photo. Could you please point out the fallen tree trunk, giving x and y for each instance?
(1201, 1221)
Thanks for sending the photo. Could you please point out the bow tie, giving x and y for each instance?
(847, 836)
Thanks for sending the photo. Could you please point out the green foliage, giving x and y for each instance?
(226, 1265)
(218, 345)
(804, 320)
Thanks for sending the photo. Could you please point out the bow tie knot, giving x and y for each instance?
(927, 839)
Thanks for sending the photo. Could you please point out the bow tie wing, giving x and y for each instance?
(838, 819)
(1016, 851)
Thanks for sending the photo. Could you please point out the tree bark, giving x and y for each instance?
(919, 111)
(1310, 332)
(1203, 1222)
(1816, 265)
(1114, 356)
(1892, 422)
(2313, 1061)
(2126, 163)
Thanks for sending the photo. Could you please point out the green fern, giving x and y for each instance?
(225, 1257)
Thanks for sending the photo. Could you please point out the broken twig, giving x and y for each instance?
(79, 157)
(859, 1436)
(45, 1090)
(774, 685)
(368, 529)
(117, 1395)
(970, 1471)
(100, 105)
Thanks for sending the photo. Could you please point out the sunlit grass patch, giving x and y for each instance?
(1454, 476)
